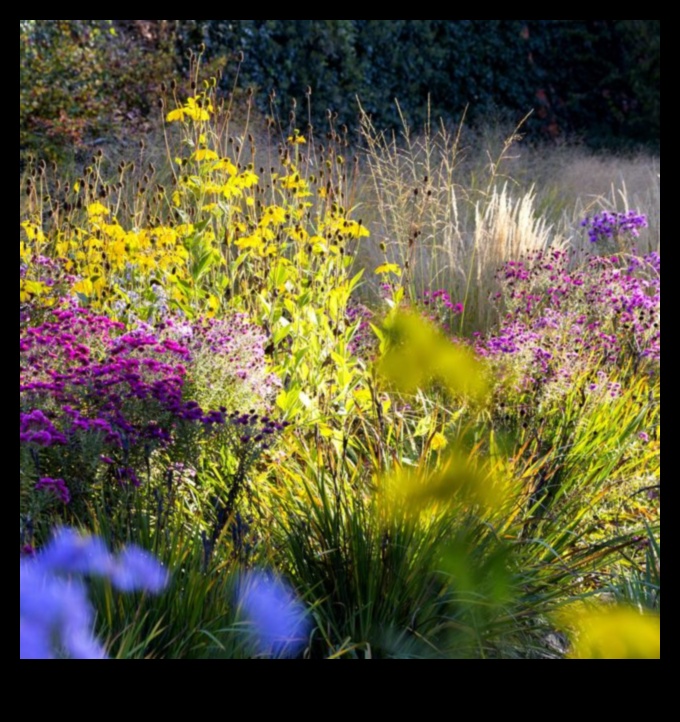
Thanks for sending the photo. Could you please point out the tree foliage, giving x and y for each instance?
(598, 79)
(595, 79)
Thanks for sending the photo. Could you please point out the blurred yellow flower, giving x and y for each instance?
(438, 441)
(388, 268)
(611, 632)
(195, 108)
(96, 210)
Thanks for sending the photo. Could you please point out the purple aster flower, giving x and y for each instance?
(603, 226)
(57, 486)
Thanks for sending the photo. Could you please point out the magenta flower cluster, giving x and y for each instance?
(88, 379)
(84, 382)
(560, 320)
(56, 486)
(358, 317)
(250, 431)
(440, 309)
(441, 298)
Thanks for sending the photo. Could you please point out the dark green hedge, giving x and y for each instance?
(594, 79)
(597, 79)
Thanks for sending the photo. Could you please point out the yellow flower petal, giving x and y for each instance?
(389, 268)
(438, 441)
(173, 115)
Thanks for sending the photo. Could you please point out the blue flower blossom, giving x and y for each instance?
(279, 622)
(56, 619)
(135, 569)
(72, 553)
(55, 616)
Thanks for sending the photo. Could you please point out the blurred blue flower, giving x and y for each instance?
(136, 569)
(56, 619)
(280, 625)
(72, 553)
(55, 616)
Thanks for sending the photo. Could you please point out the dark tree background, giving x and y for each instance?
(598, 80)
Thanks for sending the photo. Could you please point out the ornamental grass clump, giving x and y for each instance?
(444, 221)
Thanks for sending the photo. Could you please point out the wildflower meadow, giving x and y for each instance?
(292, 392)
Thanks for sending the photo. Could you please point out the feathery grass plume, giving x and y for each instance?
(445, 223)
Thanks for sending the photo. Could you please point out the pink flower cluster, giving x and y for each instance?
(558, 320)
